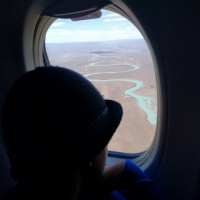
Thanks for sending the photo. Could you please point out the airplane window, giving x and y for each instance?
(111, 52)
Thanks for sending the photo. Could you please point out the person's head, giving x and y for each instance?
(53, 119)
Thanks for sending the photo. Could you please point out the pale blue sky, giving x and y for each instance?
(110, 26)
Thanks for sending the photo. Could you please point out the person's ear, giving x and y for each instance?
(87, 165)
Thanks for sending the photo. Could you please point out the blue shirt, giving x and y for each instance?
(137, 185)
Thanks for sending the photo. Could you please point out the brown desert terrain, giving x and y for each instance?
(116, 60)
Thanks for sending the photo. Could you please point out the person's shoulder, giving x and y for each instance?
(13, 194)
(20, 192)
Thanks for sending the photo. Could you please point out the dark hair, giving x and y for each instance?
(53, 116)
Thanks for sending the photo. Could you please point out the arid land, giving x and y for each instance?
(135, 132)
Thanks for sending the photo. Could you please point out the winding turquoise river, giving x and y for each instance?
(143, 101)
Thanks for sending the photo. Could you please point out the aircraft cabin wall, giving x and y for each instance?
(173, 30)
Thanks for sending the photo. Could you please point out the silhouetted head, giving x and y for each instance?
(52, 118)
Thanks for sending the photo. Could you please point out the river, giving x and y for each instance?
(143, 101)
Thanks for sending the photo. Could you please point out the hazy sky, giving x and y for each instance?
(110, 26)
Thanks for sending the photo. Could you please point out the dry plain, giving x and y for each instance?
(111, 60)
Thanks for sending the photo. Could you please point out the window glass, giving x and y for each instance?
(111, 52)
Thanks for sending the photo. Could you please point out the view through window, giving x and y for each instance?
(111, 52)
